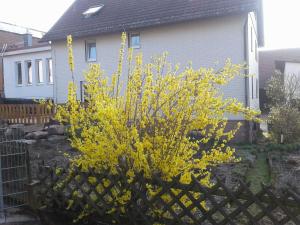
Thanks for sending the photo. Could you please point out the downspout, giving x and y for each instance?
(54, 73)
(3, 50)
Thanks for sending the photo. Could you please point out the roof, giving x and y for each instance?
(38, 47)
(20, 30)
(12, 37)
(10, 41)
(120, 15)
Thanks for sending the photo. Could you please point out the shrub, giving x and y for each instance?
(143, 124)
(285, 121)
(282, 148)
(284, 117)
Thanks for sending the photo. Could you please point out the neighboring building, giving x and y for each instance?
(286, 61)
(14, 37)
(203, 31)
(28, 73)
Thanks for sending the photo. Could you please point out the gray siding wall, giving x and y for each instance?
(204, 42)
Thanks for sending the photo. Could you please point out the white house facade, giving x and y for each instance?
(207, 39)
(28, 73)
(207, 43)
(292, 71)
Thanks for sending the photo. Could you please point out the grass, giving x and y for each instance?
(259, 173)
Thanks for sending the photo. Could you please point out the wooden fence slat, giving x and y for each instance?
(25, 113)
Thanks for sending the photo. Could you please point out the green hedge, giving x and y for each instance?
(283, 147)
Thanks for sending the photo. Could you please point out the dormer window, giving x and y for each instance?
(92, 11)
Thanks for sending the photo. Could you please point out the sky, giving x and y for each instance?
(281, 18)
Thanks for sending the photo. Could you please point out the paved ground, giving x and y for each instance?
(18, 217)
(24, 223)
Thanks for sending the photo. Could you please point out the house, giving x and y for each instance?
(286, 61)
(12, 36)
(26, 64)
(203, 31)
(28, 73)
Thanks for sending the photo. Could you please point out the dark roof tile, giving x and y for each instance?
(119, 15)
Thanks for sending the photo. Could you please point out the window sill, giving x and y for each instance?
(39, 84)
(135, 47)
(28, 84)
(19, 85)
(91, 60)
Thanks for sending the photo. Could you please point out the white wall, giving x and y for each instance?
(253, 84)
(202, 42)
(292, 69)
(25, 91)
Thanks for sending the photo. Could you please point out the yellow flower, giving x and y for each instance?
(70, 52)
(144, 124)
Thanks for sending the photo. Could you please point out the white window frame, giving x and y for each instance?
(48, 71)
(134, 34)
(256, 51)
(257, 88)
(252, 88)
(17, 73)
(82, 91)
(87, 50)
(39, 72)
(251, 39)
(28, 72)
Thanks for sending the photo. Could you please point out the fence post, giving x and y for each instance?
(1, 187)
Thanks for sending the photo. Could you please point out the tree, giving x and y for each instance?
(143, 124)
(284, 118)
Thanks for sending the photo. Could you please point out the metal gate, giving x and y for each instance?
(14, 166)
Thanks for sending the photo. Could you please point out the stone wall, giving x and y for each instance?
(46, 144)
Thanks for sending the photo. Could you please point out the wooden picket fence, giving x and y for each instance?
(99, 193)
(25, 113)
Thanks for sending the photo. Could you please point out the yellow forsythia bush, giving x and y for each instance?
(144, 123)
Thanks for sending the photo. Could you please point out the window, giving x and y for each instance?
(92, 11)
(39, 71)
(251, 39)
(256, 53)
(29, 72)
(280, 66)
(82, 91)
(91, 51)
(49, 71)
(19, 73)
(257, 88)
(134, 40)
(252, 88)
